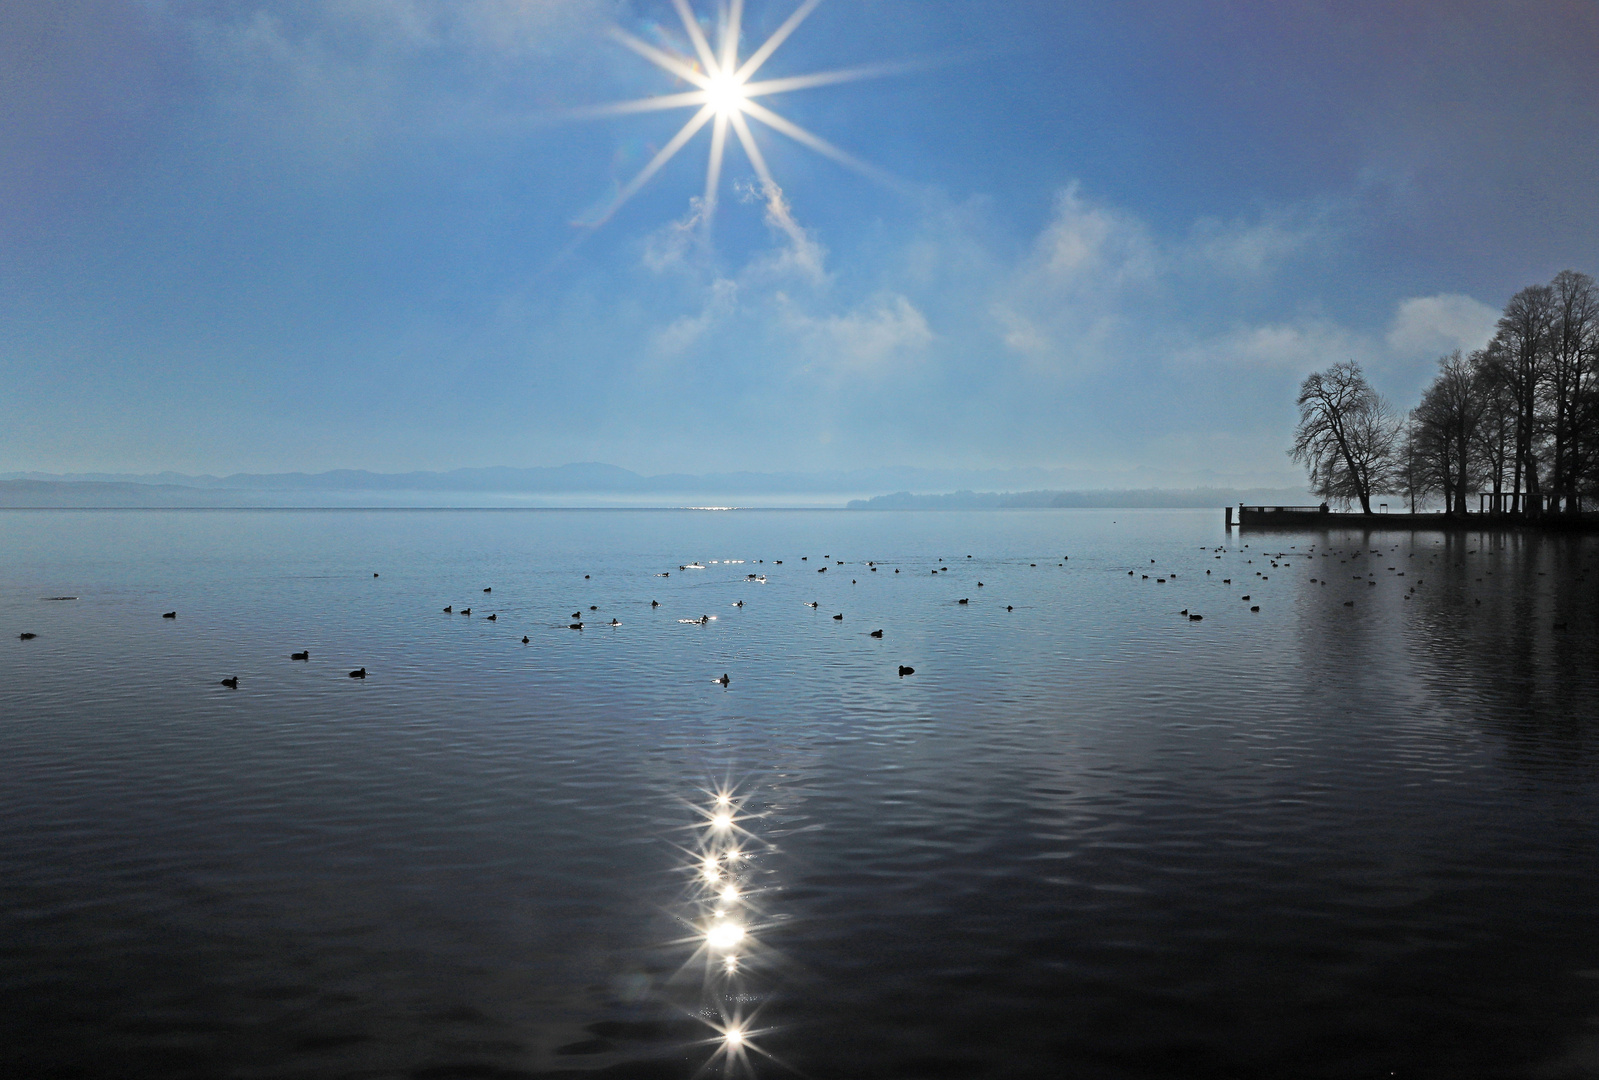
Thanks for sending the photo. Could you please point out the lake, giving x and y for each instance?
(1354, 832)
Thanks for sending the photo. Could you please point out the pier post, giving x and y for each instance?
(1229, 517)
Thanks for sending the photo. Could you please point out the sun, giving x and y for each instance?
(724, 98)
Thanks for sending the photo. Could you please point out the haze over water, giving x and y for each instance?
(1089, 836)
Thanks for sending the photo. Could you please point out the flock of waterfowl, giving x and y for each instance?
(1356, 558)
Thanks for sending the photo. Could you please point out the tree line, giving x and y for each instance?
(1518, 419)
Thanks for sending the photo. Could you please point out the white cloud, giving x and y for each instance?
(721, 301)
(1432, 325)
(874, 339)
(1296, 346)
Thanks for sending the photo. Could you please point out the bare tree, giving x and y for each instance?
(1348, 437)
(1416, 478)
(1569, 376)
(1446, 425)
(1523, 339)
(1496, 432)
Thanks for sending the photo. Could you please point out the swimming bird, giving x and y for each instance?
(450, 610)
(1195, 618)
(616, 622)
(738, 603)
(1245, 597)
(577, 614)
(1009, 608)
(494, 618)
(1349, 603)
(170, 615)
(524, 639)
(979, 584)
(724, 680)
(26, 636)
(300, 655)
(374, 574)
(466, 611)
(655, 603)
(594, 607)
(1255, 608)
(490, 589)
(358, 673)
(838, 618)
(904, 671)
(963, 600)
(811, 604)
(877, 633)
(231, 684)
(574, 626)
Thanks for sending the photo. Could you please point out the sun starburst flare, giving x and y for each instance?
(725, 99)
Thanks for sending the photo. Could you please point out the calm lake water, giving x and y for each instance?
(1354, 833)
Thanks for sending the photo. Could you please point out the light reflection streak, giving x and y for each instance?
(724, 918)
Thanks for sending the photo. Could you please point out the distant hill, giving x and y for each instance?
(1125, 499)
(598, 484)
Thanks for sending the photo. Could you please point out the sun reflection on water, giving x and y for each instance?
(723, 911)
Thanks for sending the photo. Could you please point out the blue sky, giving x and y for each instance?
(303, 235)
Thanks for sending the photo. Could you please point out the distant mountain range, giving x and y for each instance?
(595, 484)
(1149, 498)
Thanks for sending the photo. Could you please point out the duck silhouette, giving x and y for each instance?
(876, 633)
(26, 636)
(358, 673)
(963, 600)
(904, 671)
(450, 610)
(811, 604)
(616, 622)
(231, 684)
(466, 611)
(724, 680)
(494, 618)
(170, 615)
(300, 655)
(574, 626)
(655, 603)
(577, 614)
(524, 639)
(489, 589)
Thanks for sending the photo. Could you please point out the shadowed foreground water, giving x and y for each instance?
(1350, 834)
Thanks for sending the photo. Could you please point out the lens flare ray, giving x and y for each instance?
(725, 94)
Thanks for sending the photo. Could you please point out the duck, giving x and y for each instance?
(231, 684)
(724, 680)
(839, 617)
(574, 626)
(300, 655)
(489, 589)
(1195, 618)
(655, 603)
(811, 604)
(904, 671)
(1009, 608)
(26, 636)
(594, 607)
(963, 600)
(170, 615)
(450, 610)
(524, 639)
(358, 673)
(466, 611)
(876, 633)
(494, 618)
(374, 574)
(616, 622)
(1255, 608)
(738, 603)
(577, 614)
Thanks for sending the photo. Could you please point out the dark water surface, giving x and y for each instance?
(1088, 837)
